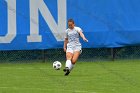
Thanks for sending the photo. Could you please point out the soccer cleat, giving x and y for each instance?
(67, 71)
(64, 69)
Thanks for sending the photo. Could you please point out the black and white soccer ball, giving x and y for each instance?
(57, 65)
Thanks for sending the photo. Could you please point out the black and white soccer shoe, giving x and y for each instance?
(67, 71)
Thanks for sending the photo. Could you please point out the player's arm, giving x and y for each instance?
(65, 44)
(83, 36)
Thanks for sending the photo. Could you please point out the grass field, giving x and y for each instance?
(87, 77)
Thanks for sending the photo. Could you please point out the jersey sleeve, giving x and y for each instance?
(79, 30)
(66, 34)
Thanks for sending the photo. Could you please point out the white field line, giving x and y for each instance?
(30, 68)
(17, 88)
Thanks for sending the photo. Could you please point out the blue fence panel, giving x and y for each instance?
(40, 24)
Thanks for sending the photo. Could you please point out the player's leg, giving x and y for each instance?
(75, 57)
(69, 56)
(77, 52)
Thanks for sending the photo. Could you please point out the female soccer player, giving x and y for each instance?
(72, 46)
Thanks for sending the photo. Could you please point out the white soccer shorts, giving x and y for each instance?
(72, 49)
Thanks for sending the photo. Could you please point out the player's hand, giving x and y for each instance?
(65, 49)
(85, 39)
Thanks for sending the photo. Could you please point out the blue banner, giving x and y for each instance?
(41, 24)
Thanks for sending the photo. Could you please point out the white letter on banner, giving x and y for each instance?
(57, 29)
(11, 34)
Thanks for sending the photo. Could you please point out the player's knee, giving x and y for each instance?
(69, 56)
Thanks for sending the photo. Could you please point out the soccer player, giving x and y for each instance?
(72, 46)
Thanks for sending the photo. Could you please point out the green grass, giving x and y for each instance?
(86, 77)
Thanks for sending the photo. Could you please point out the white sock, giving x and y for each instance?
(68, 64)
(71, 66)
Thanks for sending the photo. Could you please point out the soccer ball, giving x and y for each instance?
(57, 65)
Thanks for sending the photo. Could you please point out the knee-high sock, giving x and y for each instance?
(69, 64)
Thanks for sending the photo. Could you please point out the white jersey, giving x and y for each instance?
(73, 36)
